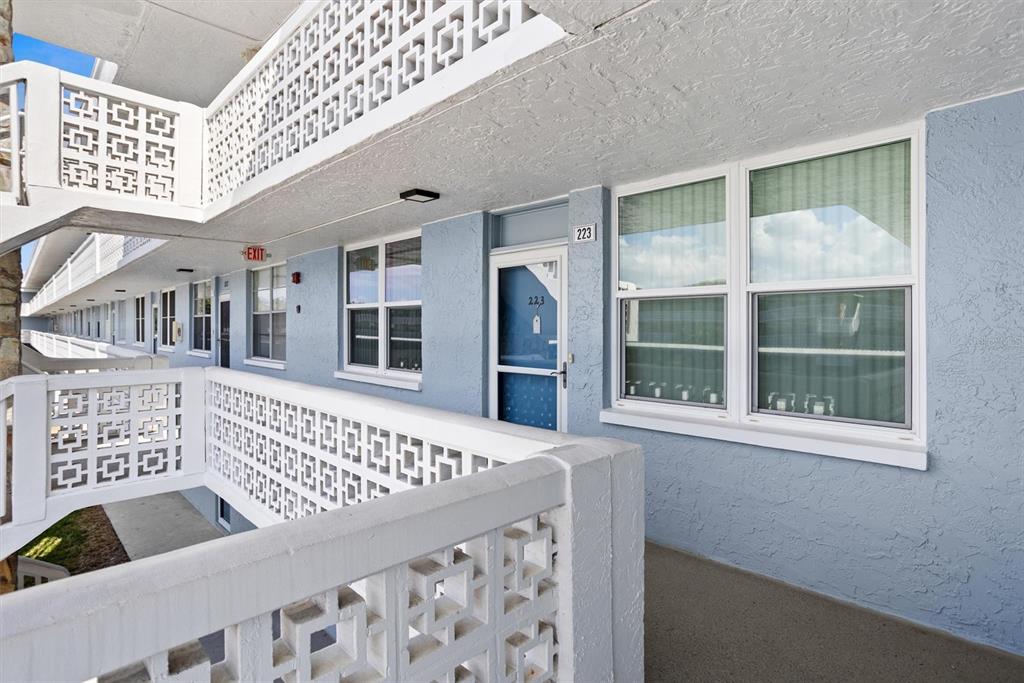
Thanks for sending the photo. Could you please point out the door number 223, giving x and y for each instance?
(584, 233)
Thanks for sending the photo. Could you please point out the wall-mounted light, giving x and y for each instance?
(186, 270)
(296, 278)
(418, 195)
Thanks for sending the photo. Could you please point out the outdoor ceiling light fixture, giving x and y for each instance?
(120, 291)
(90, 299)
(186, 270)
(419, 196)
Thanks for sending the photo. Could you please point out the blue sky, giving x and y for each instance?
(34, 50)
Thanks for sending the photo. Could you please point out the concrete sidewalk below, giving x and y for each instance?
(707, 621)
(158, 524)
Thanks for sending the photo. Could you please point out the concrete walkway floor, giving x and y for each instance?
(709, 622)
(158, 524)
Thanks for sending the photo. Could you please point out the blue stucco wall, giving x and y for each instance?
(943, 547)
(205, 501)
(38, 323)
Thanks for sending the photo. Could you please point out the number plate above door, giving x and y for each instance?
(584, 233)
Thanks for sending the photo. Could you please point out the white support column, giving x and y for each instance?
(31, 449)
(193, 421)
(601, 577)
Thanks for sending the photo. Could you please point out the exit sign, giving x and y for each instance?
(255, 253)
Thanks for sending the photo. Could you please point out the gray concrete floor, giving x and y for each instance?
(159, 524)
(709, 622)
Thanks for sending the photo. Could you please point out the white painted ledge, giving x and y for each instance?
(165, 349)
(265, 363)
(200, 354)
(409, 384)
(894, 451)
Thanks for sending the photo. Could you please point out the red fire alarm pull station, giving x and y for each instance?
(296, 277)
(255, 253)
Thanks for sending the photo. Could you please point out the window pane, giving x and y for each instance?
(402, 270)
(280, 276)
(675, 349)
(528, 315)
(846, 215)
(279, 329)
(263, 279)
(206, 333)
(262, 302)
(261, 335)
(834, 354)
(362, 275)
(279, 298)
(362, 337)
(197, 333)
(404, 332)
(673, 237)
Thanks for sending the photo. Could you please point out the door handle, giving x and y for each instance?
(564, 372)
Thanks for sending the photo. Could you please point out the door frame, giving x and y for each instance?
(221, 298)
(522, 257)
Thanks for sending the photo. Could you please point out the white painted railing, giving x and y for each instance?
(33, 572)
(99, 255)
(60, 347)
(528, 571)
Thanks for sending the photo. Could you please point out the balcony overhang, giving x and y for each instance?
(625, 96)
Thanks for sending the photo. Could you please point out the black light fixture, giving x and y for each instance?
(120, 291)
(90, 299)
(186, 270)
(74, 305)
(419, 196)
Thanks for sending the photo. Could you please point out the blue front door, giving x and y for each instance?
(527, 305)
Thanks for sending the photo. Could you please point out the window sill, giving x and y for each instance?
(407, 383)
(198, 353)
(265, 363)
(165, 349)
(905, 452)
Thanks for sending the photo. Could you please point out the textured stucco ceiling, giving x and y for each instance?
(180, 49)
(656, 88)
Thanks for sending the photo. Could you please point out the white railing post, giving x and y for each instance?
(42, 137)
(30, 449)
(193, 421)
(601, 580)
(190, 146)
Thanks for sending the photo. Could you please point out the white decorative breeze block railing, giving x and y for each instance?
(529, 571)
(33, 572)
(294, 451)
(343, 60)
(99, 255)
(111, 144)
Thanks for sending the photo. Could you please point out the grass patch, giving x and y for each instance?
(83, 541)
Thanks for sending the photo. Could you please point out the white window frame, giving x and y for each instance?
(738, 422)
(382, 374)
(193, 316)
(139, 320)
(224, 523)
(169, 318)
(251, 358)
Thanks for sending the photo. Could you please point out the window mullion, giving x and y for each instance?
(382, 333)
